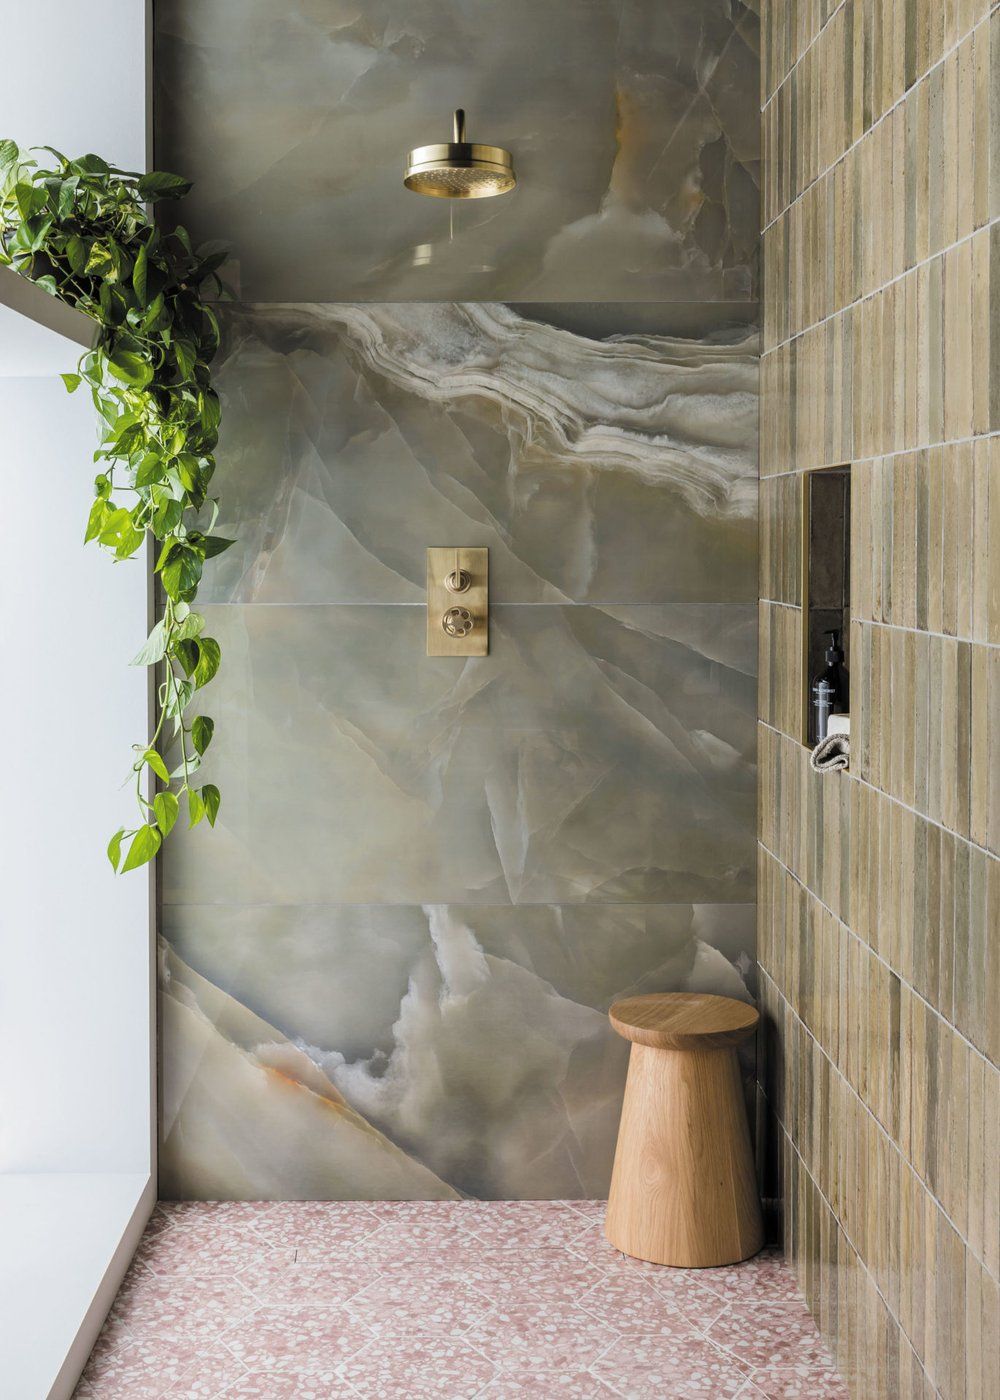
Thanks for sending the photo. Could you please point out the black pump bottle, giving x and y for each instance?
(831, 688)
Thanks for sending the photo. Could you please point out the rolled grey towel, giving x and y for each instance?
(831, 753)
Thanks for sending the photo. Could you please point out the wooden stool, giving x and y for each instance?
(683, 1190)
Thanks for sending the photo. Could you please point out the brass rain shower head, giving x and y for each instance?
(460, 169)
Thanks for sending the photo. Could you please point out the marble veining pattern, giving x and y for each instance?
(386, 972)
(471, 1043)
(597, 467)
(633, 124)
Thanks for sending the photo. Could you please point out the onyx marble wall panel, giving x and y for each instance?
(598, 465)
(597, 754)
(633, 124)
(471, 1040)
(387, 969)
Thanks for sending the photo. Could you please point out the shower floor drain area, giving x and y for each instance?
(310, 1299)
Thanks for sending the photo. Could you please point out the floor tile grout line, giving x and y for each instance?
(903, 97)
(841, 1227)
(854, 776)
(868, 1110)
(768, 349)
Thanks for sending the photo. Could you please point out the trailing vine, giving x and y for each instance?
(80, 229)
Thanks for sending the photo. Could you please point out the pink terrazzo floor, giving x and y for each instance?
(310, 1300)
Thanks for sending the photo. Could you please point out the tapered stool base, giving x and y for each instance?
(683, 1190)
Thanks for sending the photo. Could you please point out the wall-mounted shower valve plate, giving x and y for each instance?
(458, 601)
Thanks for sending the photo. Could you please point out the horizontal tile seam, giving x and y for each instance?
(459, 904)
(961, 637)
(811, 44)
(891, 797)
(877, 291)
(882, 792)
(903, 97)
(843, 1230)
(881, 1128)
(879, 958)
(871, 457)
(494, 603)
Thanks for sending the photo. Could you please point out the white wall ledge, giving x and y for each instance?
(39, 334)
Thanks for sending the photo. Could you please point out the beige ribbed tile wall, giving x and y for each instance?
(879, 936)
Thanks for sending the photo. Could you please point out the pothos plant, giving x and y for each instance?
(80, 229)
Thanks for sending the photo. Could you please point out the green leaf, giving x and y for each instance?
(129, 541)
(115, 848)
(166, 807)
(167, 517)
(212, 799)
(182, 572)
(154, 648)
(72, 382)
(210, 654)
(8, 155)
(150, 469)
(190, 627)
(139, 275)
(186, 357)
(90, 165)
(159, 184)
(186, 650)
(115, 522)
(130, 367)
(202, 731)
(30, 200)
(99, 260)
(196, 808)
(157, 764)
(210, 545)
(145, 844)
(77, 252)
(99, 512)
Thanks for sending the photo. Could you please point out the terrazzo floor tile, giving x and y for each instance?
(669, 1368)
(547, 1385)
(418, 1366)
(769, 1335)
(295, 1282)
(301, 1341)
(458, 1299)
(556, 1336)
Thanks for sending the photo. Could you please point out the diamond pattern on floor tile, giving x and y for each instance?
(553, 1336)
(769, 1334)
(319, 1300)
(416, 1367)
(667, 1368)
(308, 1341)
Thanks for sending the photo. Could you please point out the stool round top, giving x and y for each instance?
(683, 1020)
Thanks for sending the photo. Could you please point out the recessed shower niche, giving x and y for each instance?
(826, 580)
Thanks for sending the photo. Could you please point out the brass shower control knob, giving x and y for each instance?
(458, 622)
(458, 581)
(458, 600)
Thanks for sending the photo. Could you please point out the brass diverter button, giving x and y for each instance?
(455, 629)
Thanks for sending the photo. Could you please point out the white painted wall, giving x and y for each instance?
(74, 946)
(75, 1034)
(77, 1168)
(76, 77)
